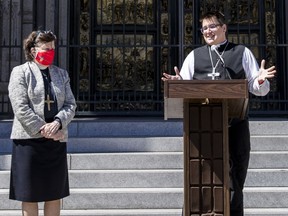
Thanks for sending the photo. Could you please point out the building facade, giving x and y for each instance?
(116, 50)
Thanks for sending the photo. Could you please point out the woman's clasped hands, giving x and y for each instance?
(51, 131)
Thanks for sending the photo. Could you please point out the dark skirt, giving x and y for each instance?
(39, 170)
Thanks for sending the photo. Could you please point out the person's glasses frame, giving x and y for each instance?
(212, 27)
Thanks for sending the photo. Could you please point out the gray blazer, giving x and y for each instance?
(26, 93)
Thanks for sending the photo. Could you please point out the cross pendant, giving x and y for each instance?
(49, 102)
(214, 74)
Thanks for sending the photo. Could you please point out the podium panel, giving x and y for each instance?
(206, 162)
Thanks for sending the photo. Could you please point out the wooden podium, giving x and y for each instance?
(206, 107)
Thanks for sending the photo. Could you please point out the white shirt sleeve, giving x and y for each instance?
(187, 70)
(251, 69)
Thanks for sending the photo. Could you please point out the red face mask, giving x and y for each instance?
(45, 57)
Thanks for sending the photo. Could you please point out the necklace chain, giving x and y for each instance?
(46, 76)
(47, 79)
(211, 59)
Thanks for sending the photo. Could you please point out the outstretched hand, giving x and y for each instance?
(172, 77)
(265, 73)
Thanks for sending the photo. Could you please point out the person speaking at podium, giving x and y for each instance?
(217, 60)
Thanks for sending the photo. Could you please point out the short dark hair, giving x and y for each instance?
(35, 37)
(209, 15)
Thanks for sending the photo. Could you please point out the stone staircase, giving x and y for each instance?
(266, 188)
(125, 167)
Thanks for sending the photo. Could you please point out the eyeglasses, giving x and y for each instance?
(212, 27)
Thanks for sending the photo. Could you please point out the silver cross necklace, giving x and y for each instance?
(214, 73)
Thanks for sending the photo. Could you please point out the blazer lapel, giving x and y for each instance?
(38, 82)
(56, 83)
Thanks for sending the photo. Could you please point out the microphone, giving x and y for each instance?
(214, 48)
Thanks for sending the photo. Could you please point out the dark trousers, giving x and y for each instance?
(239, 148)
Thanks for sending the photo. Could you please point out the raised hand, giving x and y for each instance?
(172, 77)
(265, 73)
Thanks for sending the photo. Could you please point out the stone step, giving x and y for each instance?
(154, 178)
(268, 159)
(125, 127)
(113, 198)
(266, 211)
(153, 160)
(267, 178)
(127, 160)
(107, 212)
(135, 160)
(149, 212)
(112, 161)
(149, 144)
(115, 127)
(114, 144)
(164, 160)
(5, 162)
(268, 126)
(125, 144)
(162, 144)
(152, 198)
(266, 197)
(269, 143)
(168, 178)
(147, 127)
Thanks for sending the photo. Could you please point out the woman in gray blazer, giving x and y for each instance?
(43, 106)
